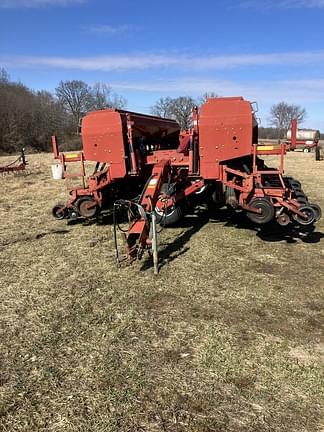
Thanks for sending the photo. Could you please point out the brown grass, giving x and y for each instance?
(228, 337)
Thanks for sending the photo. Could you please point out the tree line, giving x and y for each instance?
(280, 117)
(28, 118)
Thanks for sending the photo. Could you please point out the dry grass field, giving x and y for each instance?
(228, 337)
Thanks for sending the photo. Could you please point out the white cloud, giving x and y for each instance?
(308, 93)
(110, 29)
(15, 4)
(175, 61)
(297, 91)
(282, 4)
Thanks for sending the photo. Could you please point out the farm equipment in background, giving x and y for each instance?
(306, 139)
(218, 161)
(17, 166)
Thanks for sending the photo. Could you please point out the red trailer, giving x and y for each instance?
(304, 139)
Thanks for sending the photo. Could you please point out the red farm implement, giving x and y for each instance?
(17, 166)
(304, 139)
(219, 159)
(118, 142)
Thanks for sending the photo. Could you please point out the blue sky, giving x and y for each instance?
(264, 50)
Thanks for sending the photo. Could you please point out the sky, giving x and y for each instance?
(264, 50)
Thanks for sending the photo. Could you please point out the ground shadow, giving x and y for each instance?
(191, 224)
(43, 234)
(290, 234)
(103, 218)
(28, 238)
(197, 218)
(271, 232)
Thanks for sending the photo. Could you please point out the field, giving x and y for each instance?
(228, 337)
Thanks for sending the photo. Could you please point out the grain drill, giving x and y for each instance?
(218, 159)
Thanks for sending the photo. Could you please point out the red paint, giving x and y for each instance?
(221, 148)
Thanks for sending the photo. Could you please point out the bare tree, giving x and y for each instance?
(118, 101)
(282, 113)
(182, 110)
(4, 76)
(16, 113)
(179, 108)
(163, 107)
(79, 97)
(207, 96)
(27, 118)
(49, 117)
(76, 98)
(103, 97)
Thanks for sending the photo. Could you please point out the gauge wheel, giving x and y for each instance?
(267, 211)
(59, 211)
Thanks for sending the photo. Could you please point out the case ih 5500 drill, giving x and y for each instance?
(219, 159)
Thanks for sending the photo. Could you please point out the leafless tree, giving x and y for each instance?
(49, 117)
(79, 97)
(182, 110)
(163, 107)
(207, 96)
(179, 108)
(76, 98)
(16, 109)
(282, 113)
(103, 97)
(27, 118)
(4, 76)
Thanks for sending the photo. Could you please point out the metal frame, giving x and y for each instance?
(213, 150)
(16, 166)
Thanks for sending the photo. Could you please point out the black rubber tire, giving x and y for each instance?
(59, 212)
(170, 217)
(173, 214)
(302, 200)
(300, 195)
(295, 183)
(317, 210)
(309, 212)
(267, 211)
